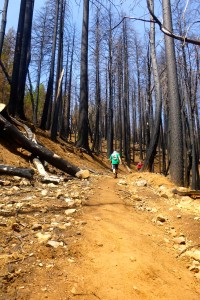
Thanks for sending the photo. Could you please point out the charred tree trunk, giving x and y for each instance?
(3, 25)
(47, 109)
(43, 153)
(151, 152)
(83, 125)
(176, 137)
(110, 131)
(12, 106)
(13, 171)
(58, 96)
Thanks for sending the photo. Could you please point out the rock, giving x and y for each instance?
(43, 237)
(75, 195)
(69, 224)
(44, 192)
(97, 218)
(141, 183)
(99, 244)
(194, 269)
(195, 254)
(25, 182)
(164, 195)
(59, 194)
(161, 219)
(6, 183)
(55, 244)
(15, 227)
(137, 198)
(52, 185)
(179, 240)
(83, 174)
(36, 227)
(83, 222)
(122, 182)
(70, 211)
(16, 178)
(68, 200)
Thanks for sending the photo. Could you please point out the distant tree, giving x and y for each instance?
(21, 59)
(47, 110)
(3, 24)
(40, 50)
(59, 76)
(83, 124)
(96, 141)
(66, 115)
(151, 151)
(110, 130)
(126, 100)
(7, 60)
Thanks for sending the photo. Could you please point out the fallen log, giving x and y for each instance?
(46, 177)
(14, 171)
(193, 194)
(38, 150)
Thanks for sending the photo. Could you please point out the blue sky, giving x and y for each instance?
(13, 10)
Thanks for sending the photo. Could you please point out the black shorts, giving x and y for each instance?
(115, 167)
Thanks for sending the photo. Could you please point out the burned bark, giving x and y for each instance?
(21, 172)
(38, 150)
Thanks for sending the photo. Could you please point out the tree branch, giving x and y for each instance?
(132, 18)
(168, 32)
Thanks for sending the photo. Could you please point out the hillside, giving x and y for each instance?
(97, 238)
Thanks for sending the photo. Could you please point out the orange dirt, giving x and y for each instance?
(113, 248)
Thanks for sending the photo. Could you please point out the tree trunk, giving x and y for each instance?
(83, 123)
(110, 132)
(3, 25)
(25, 58)
(47, 109)
(12, 106)
(151, 152)
(176, 137)
(43, 153)
(21, 172)
(60, 73)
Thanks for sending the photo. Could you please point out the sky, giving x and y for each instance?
(126, 5)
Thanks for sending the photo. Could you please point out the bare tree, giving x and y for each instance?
(3, 24)
(151, 152)
(83, 106)
(176, 134)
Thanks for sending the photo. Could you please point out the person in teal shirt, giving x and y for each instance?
(115, 160)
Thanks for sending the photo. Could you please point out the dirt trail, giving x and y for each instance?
(113, 252)
(122, 255)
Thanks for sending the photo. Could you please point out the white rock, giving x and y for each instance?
(141, 183)
(54, 244)
(122, 182)
(179, 240)
(43, 237)
(44, 192)
(195, 254)
(70, 211)
(97, 218)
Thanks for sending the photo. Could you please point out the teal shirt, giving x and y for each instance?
(115, 158)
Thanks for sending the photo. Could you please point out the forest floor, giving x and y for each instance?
(99, 238)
